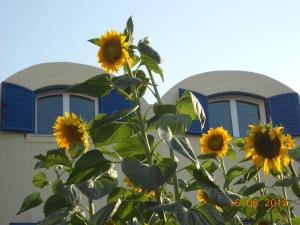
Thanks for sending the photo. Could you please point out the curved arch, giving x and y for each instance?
(216, 82)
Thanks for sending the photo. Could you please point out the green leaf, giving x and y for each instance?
(249, 174)
(101, 217)
(244, 207)
(143, 87)
(132, 147)
(213, 191)
(295, 154)
(109, 133)
(209, 166)
(95, 41)
(67, 192)
(207, 156)
(296, 220)
(146, 50)
(125, 82)
(76, 150)
(253, 188)
(152, 65)
(129, 25)
(296, 190)
(232, 154)
(78, 219)
(178, 123)
(31, 201)
(180, 145)
(96, 86)
(239, 142)
(56, 218)
(148, 177)
(190, 105)
(102, 118)
(40, 180)
(54, 203)
(118, 192)
(55, 157)
(99, 188)
(233, 173)
(162, 109)
(287, 182)
(89, 165)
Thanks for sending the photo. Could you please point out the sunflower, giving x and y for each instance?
(113, 51)
(203, 198)
(70, 130)
(268, 147)
(137, 189)
(215, 141)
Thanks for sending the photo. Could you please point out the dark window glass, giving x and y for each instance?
(219, 115)
(48, 108)
(83, 107)
(248, 113)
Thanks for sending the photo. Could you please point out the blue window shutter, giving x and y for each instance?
(114, 101)
(196, 126)
(18, 108)
(284, 110)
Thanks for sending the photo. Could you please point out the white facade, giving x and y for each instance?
(18, 149)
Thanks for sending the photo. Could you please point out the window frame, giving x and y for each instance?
(233, 108)
(66, 104)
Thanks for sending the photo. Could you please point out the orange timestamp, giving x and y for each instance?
(268, 203)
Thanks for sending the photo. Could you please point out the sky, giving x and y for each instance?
(192, 36)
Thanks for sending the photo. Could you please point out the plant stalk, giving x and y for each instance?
(91, 208)
(175, 179)
(157, 95)
(144, 135)
(285, 197)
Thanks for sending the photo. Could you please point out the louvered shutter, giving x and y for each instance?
(17, 110)
(283, 110)
(195, 128)
(114, 101)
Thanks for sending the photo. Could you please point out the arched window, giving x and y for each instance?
(52, 104)
(235, 113)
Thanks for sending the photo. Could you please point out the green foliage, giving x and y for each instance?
(105, 213)
(295, 154)
(188, 104)
(146, 176)
(139, 144)
(91, 164)
(40, 180)
(109, 133)
(56, 157)
(31, 201)
(96, 86)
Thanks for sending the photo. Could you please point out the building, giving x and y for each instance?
(32, 98)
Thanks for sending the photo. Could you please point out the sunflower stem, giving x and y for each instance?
(285, 197)
(223, 167)
(175, 180)
(144, 136)
(262, 192)
(292, 169)
(154, 86)
(159, 101)
(91, 208)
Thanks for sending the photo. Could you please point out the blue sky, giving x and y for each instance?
(192, 36)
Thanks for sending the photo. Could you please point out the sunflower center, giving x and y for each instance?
(112, 51)
(215, 143)
(265, 146)
(72, 134)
